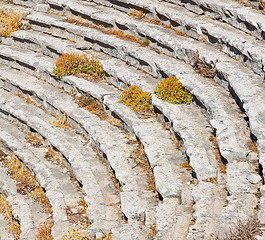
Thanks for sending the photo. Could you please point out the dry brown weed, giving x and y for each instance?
(5, 209)
(136, 13)
(107, 30)
(10, 21)
(32, 139)
(61, 122)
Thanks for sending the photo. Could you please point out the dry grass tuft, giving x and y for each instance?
(78, 216)
(79, 233)
(27, 184)
(26, 99)
(155, 21)
(251, 145)
(247, 230)
(29, 100)
(33, 140)
(118, 33)
(10, 21)
(122, 35)
(89, 104)
(152, 231)
(181, 33)
(139, 157)
(203, 68)
(5, 209)
(261, 4)
(53, 156)
(43, 232)
(61, 122)
(136, 13)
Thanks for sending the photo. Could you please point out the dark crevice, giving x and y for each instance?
(32, 22)
(128, 5)
(253, 137)
(23, 64)
(53, 50)
(260, 170)
(197, 102)
(56, 7)
(224, 161)
(162, 74)
(98, 43)
(160, 197)
(238, 101)
(122, 27)
(22, 40)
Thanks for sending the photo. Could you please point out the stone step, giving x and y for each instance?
(23, 207)
(230, 40)
(253, 114)
(236, 124)
(232, 12)
(243, 184)
(148, 142)
(61, 192)
(170, 43)
(132, 182)
(5, 234)
(83, 160)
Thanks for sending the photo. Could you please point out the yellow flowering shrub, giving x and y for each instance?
(138, 100)
(170, 90)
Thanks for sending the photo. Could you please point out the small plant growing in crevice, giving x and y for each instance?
(107, 30)
(145, 42)
(73, 64)
(261, 4)
(33, 140)
(10, 21)
(242, 230)
(61, 122)
(84, 101)
(136, 13)
(138, 100)
(170, 90)
(6, 211)
(202, 67)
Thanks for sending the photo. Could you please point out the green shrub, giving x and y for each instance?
(137, 100)
(170, 90)
(72, 64)
(144, 42)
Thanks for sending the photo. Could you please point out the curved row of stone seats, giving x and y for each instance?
(164, 64)
(198, 86)
(238, 15)
(4, 233)
(237, 44)
(92, 88)
(83, 160)
(22, 207)
(29, 3)
(161, 151)
(61, 192)
(159, 169)
(182, 48)
(201, 170)
(246, 174)
(111, 142)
